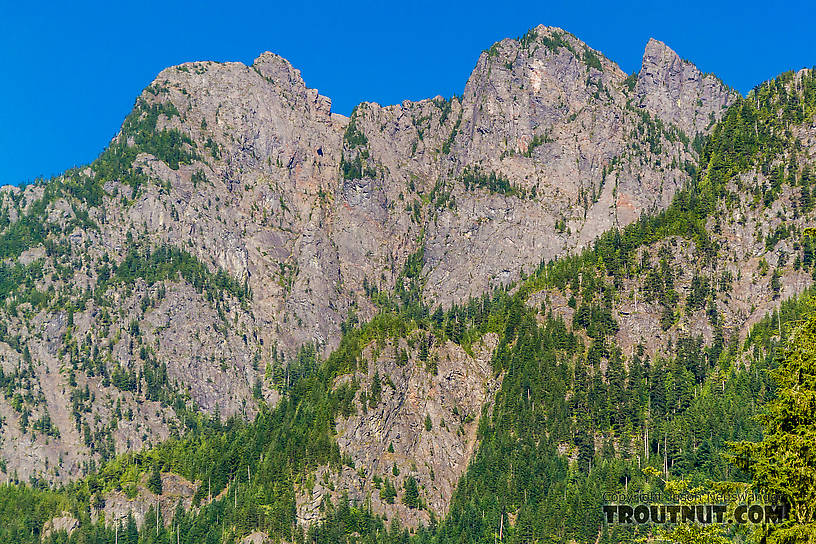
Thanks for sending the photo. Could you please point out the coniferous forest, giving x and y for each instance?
(576, 414)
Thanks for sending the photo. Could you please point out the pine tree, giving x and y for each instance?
(376, 390)
(776, 285)
(411, 496)
(154, 482)
(616, 376)
(131, 532)
(782, 464)
(388, 493)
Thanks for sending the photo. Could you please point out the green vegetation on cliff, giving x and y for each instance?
(576, 415)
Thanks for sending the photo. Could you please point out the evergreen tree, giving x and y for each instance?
(154, 482)
(376, 390)
(411, 496)
(783, 464)
(388, 492)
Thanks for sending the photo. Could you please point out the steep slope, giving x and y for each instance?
(637, 351)
(547, 126)
(621, 343)
(235, 219)
(677, 92)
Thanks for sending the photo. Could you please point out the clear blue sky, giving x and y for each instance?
(72, 70)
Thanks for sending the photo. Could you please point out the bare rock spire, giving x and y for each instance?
(676, 91)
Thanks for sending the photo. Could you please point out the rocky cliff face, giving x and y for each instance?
(676, 91)
(284, 216)
(417, 418)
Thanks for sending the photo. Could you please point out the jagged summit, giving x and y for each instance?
(277, 69)
(677, 91)
(276, 223)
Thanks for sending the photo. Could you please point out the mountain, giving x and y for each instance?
(379, 294)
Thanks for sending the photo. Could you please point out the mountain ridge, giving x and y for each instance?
(212, 258)
(260, 131)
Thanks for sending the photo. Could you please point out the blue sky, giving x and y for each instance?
(72, 70)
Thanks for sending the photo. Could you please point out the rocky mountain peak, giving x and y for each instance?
(278, 69)
(242, 172)
(237, 243)
(678, 92)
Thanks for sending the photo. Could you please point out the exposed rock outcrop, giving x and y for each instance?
(678, 92)
(268, 192)
(66, 522)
